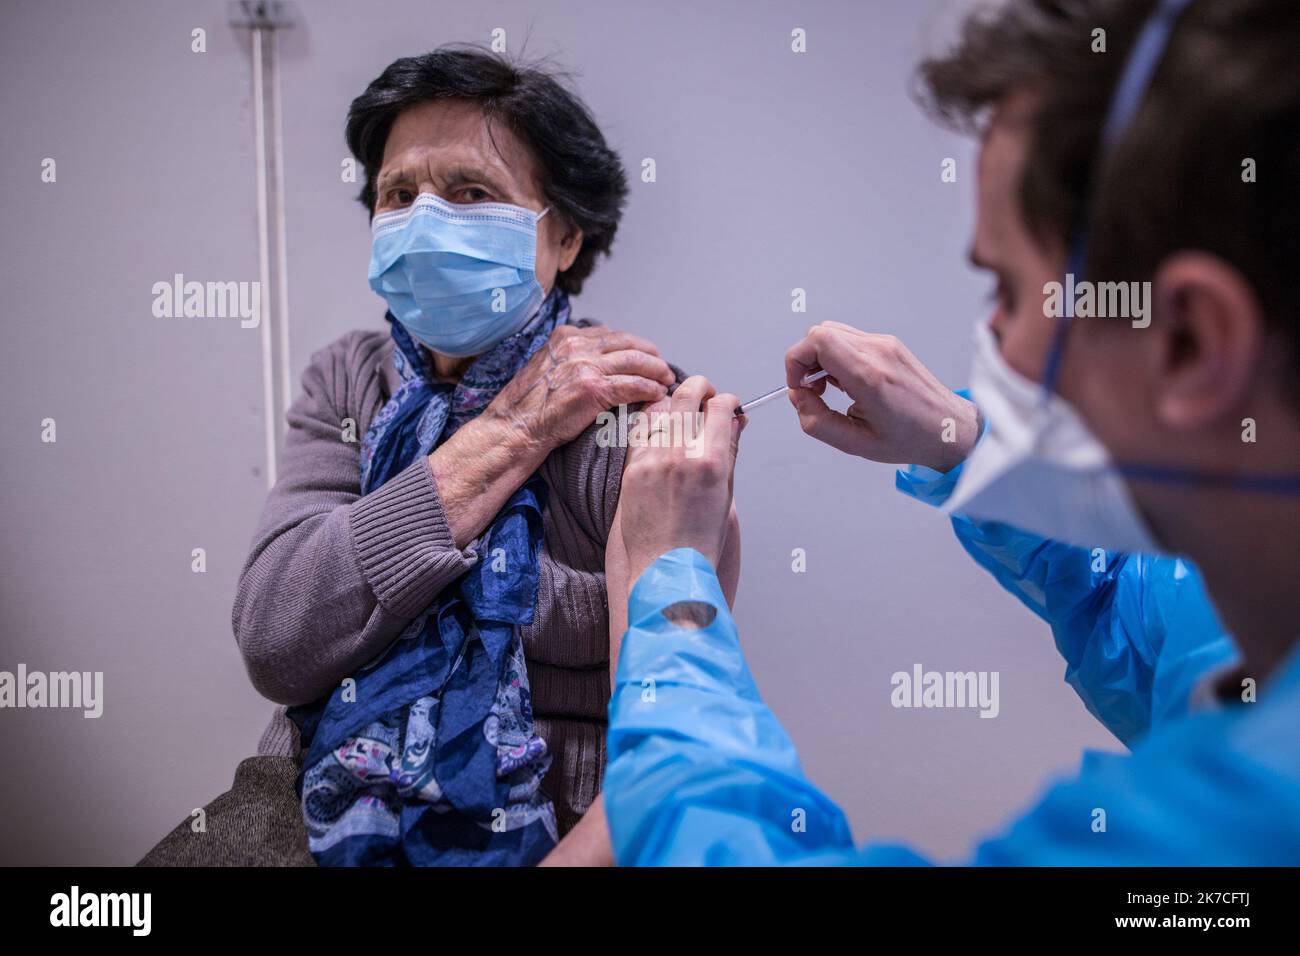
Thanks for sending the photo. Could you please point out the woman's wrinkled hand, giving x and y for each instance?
(578, 374)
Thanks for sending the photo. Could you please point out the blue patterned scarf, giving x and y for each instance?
(427, 757)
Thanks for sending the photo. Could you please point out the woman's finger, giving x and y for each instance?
(636, 362)
(634, 389)
(611, 340)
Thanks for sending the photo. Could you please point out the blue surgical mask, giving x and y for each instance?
(459, 278)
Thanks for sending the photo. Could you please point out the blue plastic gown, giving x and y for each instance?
(1137, 632)
(701, 772)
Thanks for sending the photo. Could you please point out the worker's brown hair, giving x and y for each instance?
(1227, 91)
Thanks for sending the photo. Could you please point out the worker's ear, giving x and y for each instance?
(1211, 339)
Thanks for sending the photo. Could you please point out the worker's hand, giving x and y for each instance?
(900, 414)
(679, 496)
(578, 374)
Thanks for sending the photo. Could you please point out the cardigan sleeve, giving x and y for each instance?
(333, 576)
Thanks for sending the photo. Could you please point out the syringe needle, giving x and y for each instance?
(808, 379)
(761, 400)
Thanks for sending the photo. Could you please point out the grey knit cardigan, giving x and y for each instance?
(334, 577)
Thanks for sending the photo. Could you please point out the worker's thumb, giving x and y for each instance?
(825, 424)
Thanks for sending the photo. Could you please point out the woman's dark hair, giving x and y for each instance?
(1226, 91)
(580, 175)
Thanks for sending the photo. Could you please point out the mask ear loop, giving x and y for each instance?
(1074, 266)
(1130, 91)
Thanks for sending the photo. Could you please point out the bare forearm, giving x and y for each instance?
(478, 469)
(729, 561)
(617, 586)
(588, 843)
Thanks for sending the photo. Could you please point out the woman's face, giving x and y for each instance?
(448, 148)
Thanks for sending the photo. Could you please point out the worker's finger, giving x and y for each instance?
(721, 429)
(664, 404)
(822, 422)
(692, 393)
(823, 347)
(851, 330)
(800, 359)
(719, 417)
(738, 425)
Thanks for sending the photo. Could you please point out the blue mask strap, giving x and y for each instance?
(1129, 93)
(1260, 484)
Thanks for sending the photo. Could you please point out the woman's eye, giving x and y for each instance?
(474, 194)
(400, 197)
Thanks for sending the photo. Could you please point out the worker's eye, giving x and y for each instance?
(399, 196)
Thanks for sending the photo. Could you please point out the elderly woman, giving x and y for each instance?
(427, 590)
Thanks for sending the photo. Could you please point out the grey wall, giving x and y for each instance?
(775, 171)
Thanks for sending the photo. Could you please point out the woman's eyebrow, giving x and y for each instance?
(461, 175)
(457, 176)
(394, 174)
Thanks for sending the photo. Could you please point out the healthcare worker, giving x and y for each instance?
(1139, 635)
(1127, 437)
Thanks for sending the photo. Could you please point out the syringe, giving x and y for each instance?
(808, 379)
